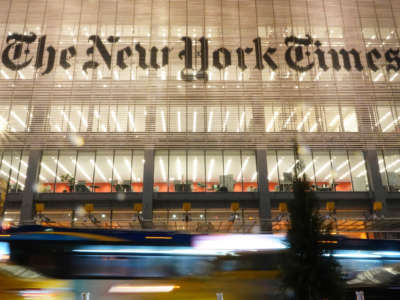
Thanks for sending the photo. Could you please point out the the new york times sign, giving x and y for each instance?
(17, 55)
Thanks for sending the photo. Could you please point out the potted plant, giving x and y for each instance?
(69, 180)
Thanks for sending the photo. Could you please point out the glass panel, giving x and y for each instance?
(232, 177)
(161, 119)
(65, 171)
(196, 170)
(350, 123)
(382, 169)
(48, 169)
(84, 172)
(214, 119)
(332, 119)
(177, 172)
(341, 171)
(196, 119)
(249, 171)
(177, 119)
(161, 171)
(137, 171)
(214, 170)
(323, 171)
(103, 168)
(385, 118)
(18, 118)
(285, 170)
(392, 166)
(307, 165)
(358, 171)
(272, 166)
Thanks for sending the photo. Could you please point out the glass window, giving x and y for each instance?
(18, 118)
(391, 168)
(195, 119)
(177, 119)
(214, 170)
(332, 118)
(177, 172)
(307, 165)
(65, 171)
(349, 119)
(273, 165)
(123, 171)
(137, 171)
(382, 169)
(84, 172)
(161, 171)
(161, 118)
(48, 170)
(358, 171)
(323, 171)
(386, 119)
(232, 176)
(214, 115)
(249, 171)
(196, 170)
(103, 170)
(341, 171)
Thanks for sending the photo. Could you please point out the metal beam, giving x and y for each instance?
(148, 181)
(263, 193)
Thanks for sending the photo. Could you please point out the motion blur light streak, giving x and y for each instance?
(125, 289)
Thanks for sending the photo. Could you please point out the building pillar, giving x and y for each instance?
(374, 178)
(263, 193)
(28, 195)
(148, 181)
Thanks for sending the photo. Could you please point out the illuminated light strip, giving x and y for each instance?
(98, 170)
(116, 121)
(394, 77)
(116, 75)
(357, 166)
(211, 168)
(18, 119)
(82, 118)
(390, 125)
(114, 169)
(342, 165)
(104, 127)
(82, 170)
(164, 123)
(85, 75)
(393, 164)
(291, 168)
(3, 123)
(272, 77)
(131, 121)
(195, 166)
(254, 176)
(274, 169)
(194, 121)
(128, 165)
(13, 168)
(163, 174)
(58, 128)
(302, 76)
(179, 121)
(226, 120)
(62, 166)
(43, 178)
(99, 74)
(313, 127)
(12, 178)
(307, 167)
(378, 77)
(24, 164)
(21, 75)
(344, 175)
(288, 119)
(327, 177)
(68, 74)
(327, 164)
(318, 75)
(4, 74)
(243, 169)
(49, 170)
(210, 121)
(271, 123)
(171, 251)
(68, 121)
(303, 121)
(179, 169)
(96, 114)
(133, 289)
(334, 121)
(241, 121)
(228, 166)
(158, 237)
(362, 174)
(383, 118)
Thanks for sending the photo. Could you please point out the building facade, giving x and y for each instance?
(194, 114)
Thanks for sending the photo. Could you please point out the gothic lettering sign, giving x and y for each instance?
(301, 54)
